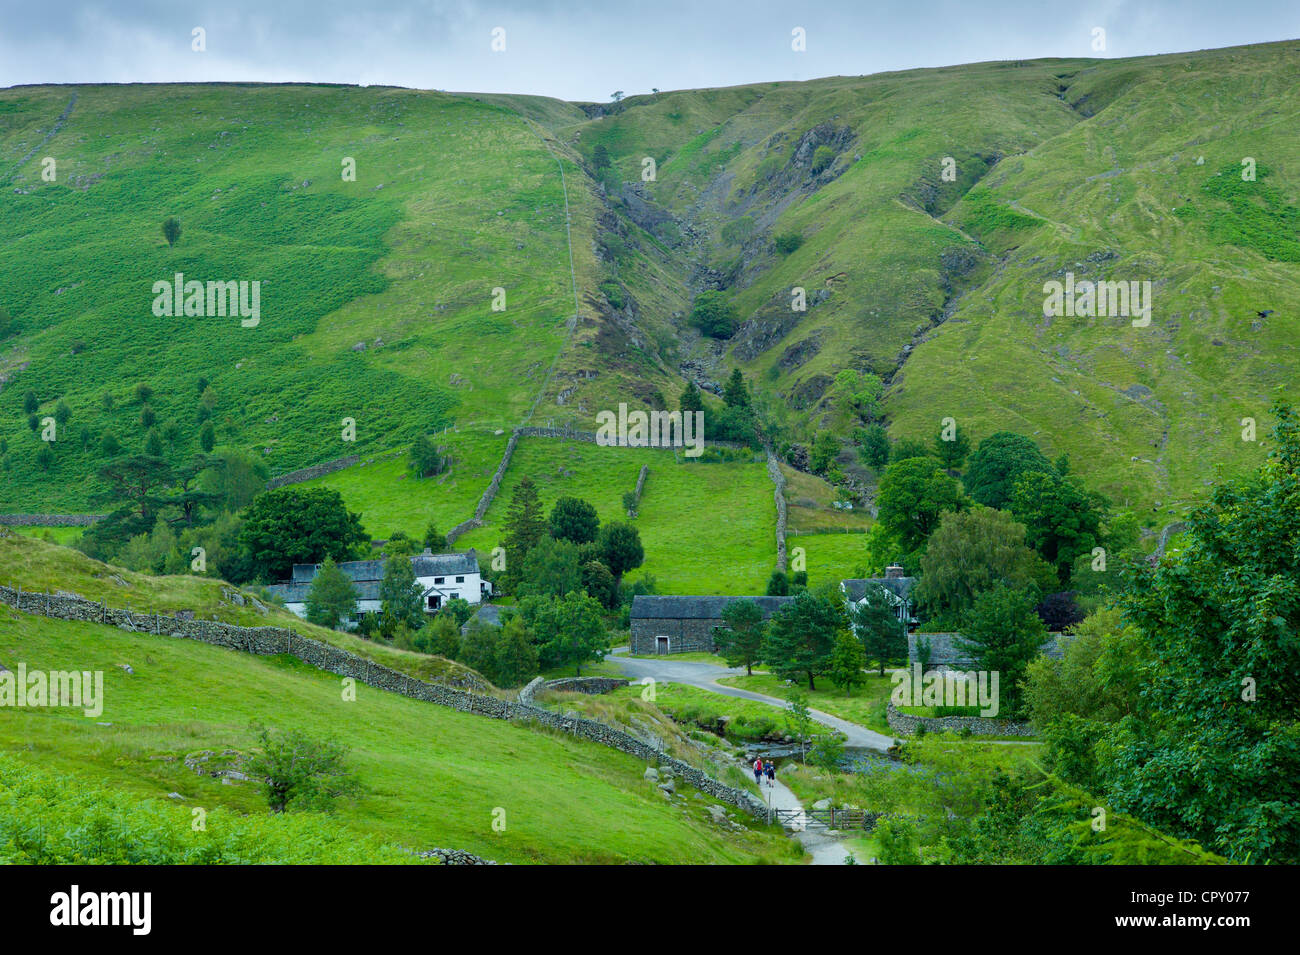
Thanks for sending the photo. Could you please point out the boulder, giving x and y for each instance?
(822, 804)
(651, 773)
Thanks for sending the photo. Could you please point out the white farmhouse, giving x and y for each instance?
(441, 577)
(897, 586)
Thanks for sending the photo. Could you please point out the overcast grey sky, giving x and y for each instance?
(585, 50)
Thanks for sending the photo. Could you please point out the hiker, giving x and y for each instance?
(770, 768)
(758, 771)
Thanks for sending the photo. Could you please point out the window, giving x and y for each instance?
(438, 580)
(460, 580)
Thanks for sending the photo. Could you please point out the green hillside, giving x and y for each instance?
(1114, 169)
(377, 294)
(425, 781)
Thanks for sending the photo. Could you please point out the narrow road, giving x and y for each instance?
(824, 847)
(705, 676)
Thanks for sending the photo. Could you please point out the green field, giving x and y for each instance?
(692, 544)
(430, 776)
(389, 498)
(864, 706)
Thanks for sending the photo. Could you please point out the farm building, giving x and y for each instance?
(663, 624)
(441, 577)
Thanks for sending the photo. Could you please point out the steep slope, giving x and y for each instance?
(376, 296)
(1123, 169)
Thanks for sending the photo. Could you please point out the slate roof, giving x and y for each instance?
(488, 614)
(655, 607)
(425, 565)
(901, 587)
(295, 592)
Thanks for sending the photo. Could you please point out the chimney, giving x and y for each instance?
(893, 572)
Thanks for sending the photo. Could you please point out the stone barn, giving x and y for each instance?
(684, 624)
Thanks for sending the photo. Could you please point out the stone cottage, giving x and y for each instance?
(896, 583)
(664, 624)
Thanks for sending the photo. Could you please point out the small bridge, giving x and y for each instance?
(801, 819)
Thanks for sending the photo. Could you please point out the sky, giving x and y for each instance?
(585, 50)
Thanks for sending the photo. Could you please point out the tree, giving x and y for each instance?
(1001, 458)
(298, 525)
(516, 657)
(1061, 521)
(568, 630)
(551, 569)
(525, 525)
(441, 636)
(207, 437)
(907, 449)
(600, 157)
(234, 477)
(778, 584)
(30, 404)
(873, 446)
(801, 635)
(823, 156)
(401, 596)
(62, 413)
(787, 242)
(951, 452)
(109, 446)
(45, 456)
(740, 642)
(600, 583)
(798, 719)
(434, 542)
(691, 399)
(1215, 752)
(401, 544)
(573, 519)
(619, 547)
(736, 393)
(1004, 635)
(858, 392)
(971, 551)
(136, 482)
(147, 416)
(848, 660)
(424, 458)
(171, 230)
(913, 495)
(713, 314)
(153, 444)
(300, 772)
(143, 393)
(877, 627)
(825, 449)
(616, 96)
(332, 596)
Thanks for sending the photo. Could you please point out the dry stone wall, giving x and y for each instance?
(49, 520)
(315, 471)
(907, 724)
(269, 641)
(778, 482)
